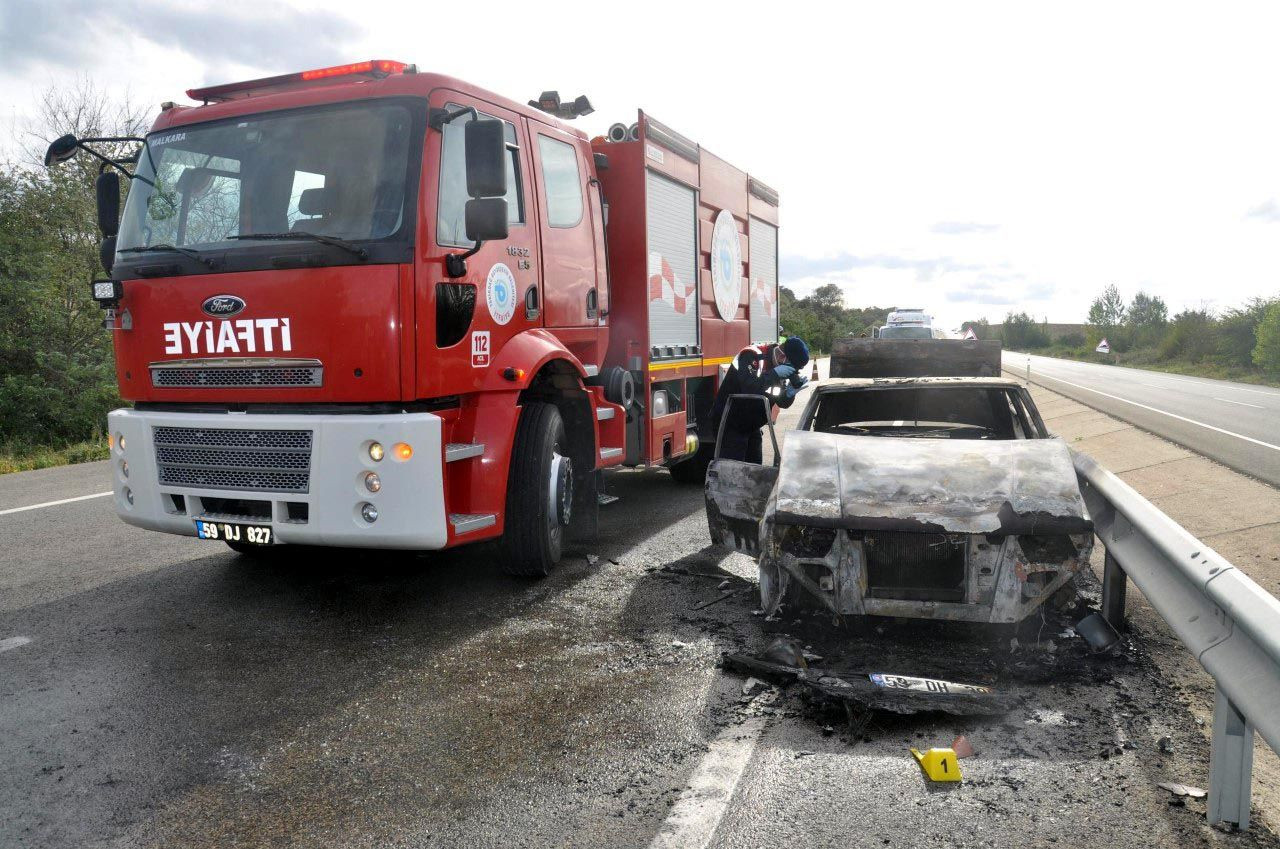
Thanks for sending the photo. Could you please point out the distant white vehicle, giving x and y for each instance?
(909, 324)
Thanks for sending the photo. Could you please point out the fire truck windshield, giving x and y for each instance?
(339, 172)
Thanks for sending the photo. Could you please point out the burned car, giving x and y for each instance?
(928, 497)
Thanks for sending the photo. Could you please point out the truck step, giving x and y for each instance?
(610, 453)
(455, 451)
(605, 413)
(465, 523)
(604, 499)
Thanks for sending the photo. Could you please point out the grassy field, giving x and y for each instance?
(21, 458)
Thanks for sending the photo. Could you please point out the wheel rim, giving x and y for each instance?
(559, 495)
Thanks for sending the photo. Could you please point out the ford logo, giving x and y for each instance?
(221, 306)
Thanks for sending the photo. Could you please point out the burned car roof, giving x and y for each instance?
(928, 485)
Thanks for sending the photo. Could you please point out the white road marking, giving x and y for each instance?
(13, 643)
(697, 813)
(1241, 403)
(1171, 415)
(54, 503)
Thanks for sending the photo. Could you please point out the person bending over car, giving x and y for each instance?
(755, 371)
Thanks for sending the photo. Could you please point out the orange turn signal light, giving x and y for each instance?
(403, 451)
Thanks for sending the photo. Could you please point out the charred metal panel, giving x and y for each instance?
(736, 494)
(862, 357)
(930, 485)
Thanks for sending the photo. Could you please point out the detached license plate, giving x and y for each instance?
(234, 532)
(925, 685)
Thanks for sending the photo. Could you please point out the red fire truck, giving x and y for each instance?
(367, 306)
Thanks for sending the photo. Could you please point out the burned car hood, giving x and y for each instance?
(929, 485)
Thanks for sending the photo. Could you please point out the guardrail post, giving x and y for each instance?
(1114, 587)
(1230, 764)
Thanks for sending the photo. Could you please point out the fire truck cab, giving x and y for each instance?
(365, 306)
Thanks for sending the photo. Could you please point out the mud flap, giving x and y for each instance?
(585, 526)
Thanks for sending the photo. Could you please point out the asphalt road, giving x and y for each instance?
(162, 691)
(1237, 424)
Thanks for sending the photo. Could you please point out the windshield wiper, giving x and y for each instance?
(170, 248)
(304, 235)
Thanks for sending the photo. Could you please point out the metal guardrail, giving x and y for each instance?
(1229, 623)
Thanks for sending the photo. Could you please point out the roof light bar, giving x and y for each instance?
(373, 69)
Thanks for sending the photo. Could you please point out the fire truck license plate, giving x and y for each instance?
(233, 532)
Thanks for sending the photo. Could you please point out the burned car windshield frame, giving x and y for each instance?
(1024, 413)
(246, 254)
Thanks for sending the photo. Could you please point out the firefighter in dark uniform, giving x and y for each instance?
(754, 372)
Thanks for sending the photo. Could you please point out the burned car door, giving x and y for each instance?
(737, 492)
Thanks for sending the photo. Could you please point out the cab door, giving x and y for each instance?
(464, 321)
(567, 226)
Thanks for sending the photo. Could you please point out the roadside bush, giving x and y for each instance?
(1192, 336)
(1071, 340)
(1266, 354)
(1237, 332)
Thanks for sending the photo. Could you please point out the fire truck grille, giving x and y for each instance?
(216, 458)
(265, 377)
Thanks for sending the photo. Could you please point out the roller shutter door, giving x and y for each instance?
(763, 267)
(671, 224)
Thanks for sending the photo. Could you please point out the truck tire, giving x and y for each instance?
(694, 469)
(539, 493)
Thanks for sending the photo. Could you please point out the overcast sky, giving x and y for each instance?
(968, 158)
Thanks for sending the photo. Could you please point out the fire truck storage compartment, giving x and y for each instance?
(762, 249)
(671, 227)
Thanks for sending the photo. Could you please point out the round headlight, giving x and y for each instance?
(375, 451)
(122, 442)
(369, 512)
(124, 468)
(128, 495)
(372, 482)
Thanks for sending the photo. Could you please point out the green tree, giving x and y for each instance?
(57, 378)
(828, 297)
(1107, 310)
(1192, 336)
(1266, 354)
(1147, 311)
(1237, 331)
(1020, 331)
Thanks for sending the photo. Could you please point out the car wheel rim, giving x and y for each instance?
(559, 494)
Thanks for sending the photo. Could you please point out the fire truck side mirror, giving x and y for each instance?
(486, 148)
(107, 189)
(486, 219)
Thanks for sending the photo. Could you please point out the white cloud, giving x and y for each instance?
(935, 144)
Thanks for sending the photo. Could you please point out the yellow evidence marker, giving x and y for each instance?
(938, 764)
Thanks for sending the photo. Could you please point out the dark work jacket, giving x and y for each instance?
(745, 377)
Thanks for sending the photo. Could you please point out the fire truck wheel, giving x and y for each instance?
(539, 493)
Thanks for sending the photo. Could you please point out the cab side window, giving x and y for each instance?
(451, 229)
(561, 182)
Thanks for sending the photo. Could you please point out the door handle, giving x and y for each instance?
(593, 303)
(531, 309)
